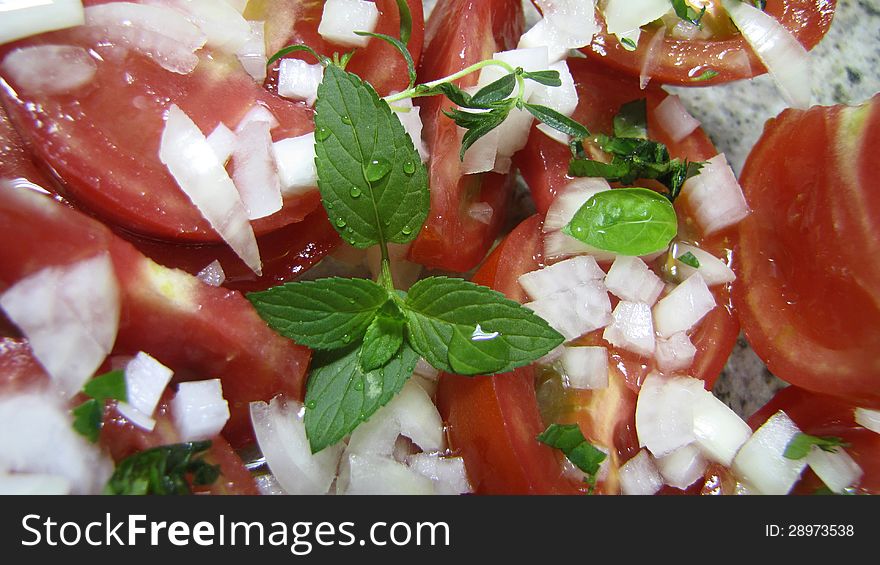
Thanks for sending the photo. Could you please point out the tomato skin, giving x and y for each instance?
(681, 61)
(823, 415)
(457, 37)
(809, 306)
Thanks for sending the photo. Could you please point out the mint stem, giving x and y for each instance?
(412, 92)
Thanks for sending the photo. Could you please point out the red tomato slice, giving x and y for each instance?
(807, 289)
(680, 61)
(460, 33)
(823, 415)
(544, 166)
(197, 330)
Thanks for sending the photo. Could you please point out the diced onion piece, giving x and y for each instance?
(651, 57)
(639, 475)
(531, 59)
(201, 176)
(425, 370)
(268, 485)
(212, 274)
(136, 417)
(239, 5)
(715, 196)
(559, 245)
(199, 409)
(145, 381)
(481, 155)
(623, 16)
(719, 430)
(631, 328)
(713, 270)
(222, 140)
(341, 18)
(418, 416)
(49, 69)
(785, 58)
(376, 436)
(674, 354)
(295, 157)
(255, 174)
(761, 462)
(298, 80)
(252, 54)
(25, 18)
(481, 212)
(281, 436)
(836, 469)
(681, 309)
(162, 34)
(570, 199)
(868, 418)
(564, 275)
(370, 474)
(585, 367)
(674, 119)
(683, 467)
(664, 413)
(630, 279)
(563, 99)
(224, 26)
(566, 24)
(576, 311)
(448, 473)
(70, 316)
(412, 123)
(257, 113)
(513, 134)
(37, 436)
(22, 484)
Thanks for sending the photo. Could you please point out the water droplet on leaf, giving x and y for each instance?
(311, 404)
(355, 192)
(409, 167)
(406, 230)
(346, 120)
(322, 133)
(377, 169)
(346, 338)
(340, 222)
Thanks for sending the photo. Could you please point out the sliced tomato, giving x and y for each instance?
(460, 33)
(19, 369)
(823, 415)
(197, 330)
(544, 166)
(807, 289)
(685, 61)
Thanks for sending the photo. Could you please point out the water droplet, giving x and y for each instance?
(363, 417)
(355, 192)
(349, 229)
(346, 120)
(328, 205)
(311, 404)
(409, 167)
(352, 301)
(322, 133)
(406, 230)
(359, 385)
(346, 338)
(340, 222)
(377, 169)
(482, 335)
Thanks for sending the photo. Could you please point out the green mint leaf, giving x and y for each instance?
(405, 21)
(495, 91)
(569, 439)
(708, 74)
(690, 260)
(676, 175)
(626, 221)
(88, 418)
(340, 395)
(373, 183)
(294, 48)
(464, 328)
(381, 342)
(687, 13)
(800, 444)
(108, 386)
(557, 121)
(632, 120)
(547, 78)
(401, 48)
(321, 314)
(163, 470)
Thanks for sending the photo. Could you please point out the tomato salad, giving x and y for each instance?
(216, 216)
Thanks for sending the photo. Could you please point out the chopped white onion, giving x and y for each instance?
(576, 311)
(23, 484)
(631, 328)
(225, 27)
(563, 99)
(652, 54)
(674, 119)
(531, 59)
(674, 354)
(836, 469)
(295, 157)
(257, 113)
(255, 173)
(162, 34)
(299, 80)
(448, 473)
(145, 381)
(629, 278)
(639, 476)
(70, 315)
(371, 474)
(418, 416)
(199, 409)
(684, 307)
(623, 16)
(785, 58)
(720, 432)
(425, 370)
(715, 196)
(239, 5)
(268, 485)
(868, 418)
(713, 270)
(565, 24)
(252, 54)
(561, 276)
(376, 436)
(480, 157)
(24, 18)
(50, 445)
(683, 467)
(281, 436)
(411, 120)
(761, 463)
(222, 140)
(136, 417)
(481, 212)
(585, 367)
(341, 18)
(201, 176)
(49, 69)
(212, 274)
(664, 413)
(570, 199)
(559, 245)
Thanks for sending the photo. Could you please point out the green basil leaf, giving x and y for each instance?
(110, 385)
(405, 21)
(294, 48)
(557, 121)
(547, 78)
(632, 120)
(340, 395)
(381, 342)
(690, 260)
(321, 314)
(163, 470)
(626, 221)
(800, 445)
(373, 183)
(571, 441)
(495, 91)
(464, 328)
(588, 168)
(88, 418)
(401, 48)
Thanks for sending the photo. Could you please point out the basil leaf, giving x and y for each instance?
(464, 328)
(800, 445)
(110, 385)
(401, 48)
(373, 183)
(589, 168)
(557, 121)
(571, 441)
(405, 21)
(294, 48)
(321, 314)
(547, 78)
(340, 395)
(381, 342)
(690, 260)
(632, 121)
(88, 418)
(163, 470)
(495, 91)
(687, 13)
(626, 221)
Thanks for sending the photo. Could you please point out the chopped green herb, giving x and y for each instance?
(800, 445)
(571, 441)
(685, 12)
(405, 21)
(632, 120)
(690, 260)
(88, 416)
(163, 470)
(628, 44)
(547, 78)
(293, 49)
(760, 4)
(708, 74)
